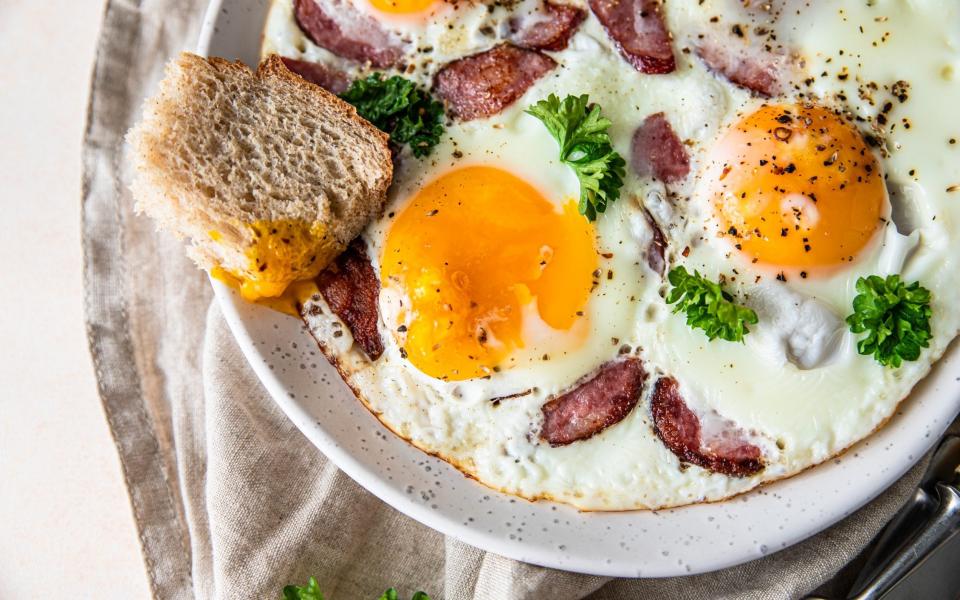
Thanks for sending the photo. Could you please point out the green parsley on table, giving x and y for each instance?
(581, 132)
(311, 591)
(896, 317)
(391, 594)
(708, 307)
(407, 113)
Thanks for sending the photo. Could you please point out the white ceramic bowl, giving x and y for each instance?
(687, 540)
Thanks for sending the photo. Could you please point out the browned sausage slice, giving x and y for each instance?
(484, 84)
(351, 288)
(724, 450)
(550, 28)
(757, 73)
(595, 404)
(656, 151)
(326, 77)
(639, 32)
(348, 34)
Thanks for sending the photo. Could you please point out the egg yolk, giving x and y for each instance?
(281, 253)
(796, 186)
(402, 7)
(474, 252)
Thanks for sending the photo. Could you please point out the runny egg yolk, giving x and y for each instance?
(402, 7)
(475, 253)
(796, 186)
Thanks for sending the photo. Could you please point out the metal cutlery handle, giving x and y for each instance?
(939, 529)
(901, 529)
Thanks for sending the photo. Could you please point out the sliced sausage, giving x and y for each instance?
(550, 28)
(347, 33)
(351, 288)
(758, 72)
(722, 447)
(656, 151)
(326, 77)
(595, 404)
(639, 32)
(484, 84)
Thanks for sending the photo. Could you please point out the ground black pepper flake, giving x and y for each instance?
(782, 133)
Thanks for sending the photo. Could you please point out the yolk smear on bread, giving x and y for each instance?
(283, 258)
(283, 252)
(289, 302)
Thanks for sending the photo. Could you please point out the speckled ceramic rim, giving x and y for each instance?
(689, 540)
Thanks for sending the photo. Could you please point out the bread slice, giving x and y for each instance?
(267, 175)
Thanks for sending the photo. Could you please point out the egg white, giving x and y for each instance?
(797, 385)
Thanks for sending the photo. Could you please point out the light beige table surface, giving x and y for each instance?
(65, 523)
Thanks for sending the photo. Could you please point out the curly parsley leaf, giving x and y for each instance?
(396, 106)
(708, 307)
(895, 316)
(311, 591)
(581, 131)
(391, 594)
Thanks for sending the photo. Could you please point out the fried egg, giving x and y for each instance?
(497, 296)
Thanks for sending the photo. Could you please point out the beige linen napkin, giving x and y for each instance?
(230, 500)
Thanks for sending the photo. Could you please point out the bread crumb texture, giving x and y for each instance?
(267, 176)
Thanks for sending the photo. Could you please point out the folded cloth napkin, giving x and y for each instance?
(230, 500)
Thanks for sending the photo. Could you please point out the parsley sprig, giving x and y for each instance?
(581, 131)
(896, 317)
(708, 307)
(311, 591)
(391, 594)
(407, 113)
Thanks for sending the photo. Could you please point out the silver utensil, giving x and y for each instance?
(944, 524)
(926, 522)
(919, 510)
